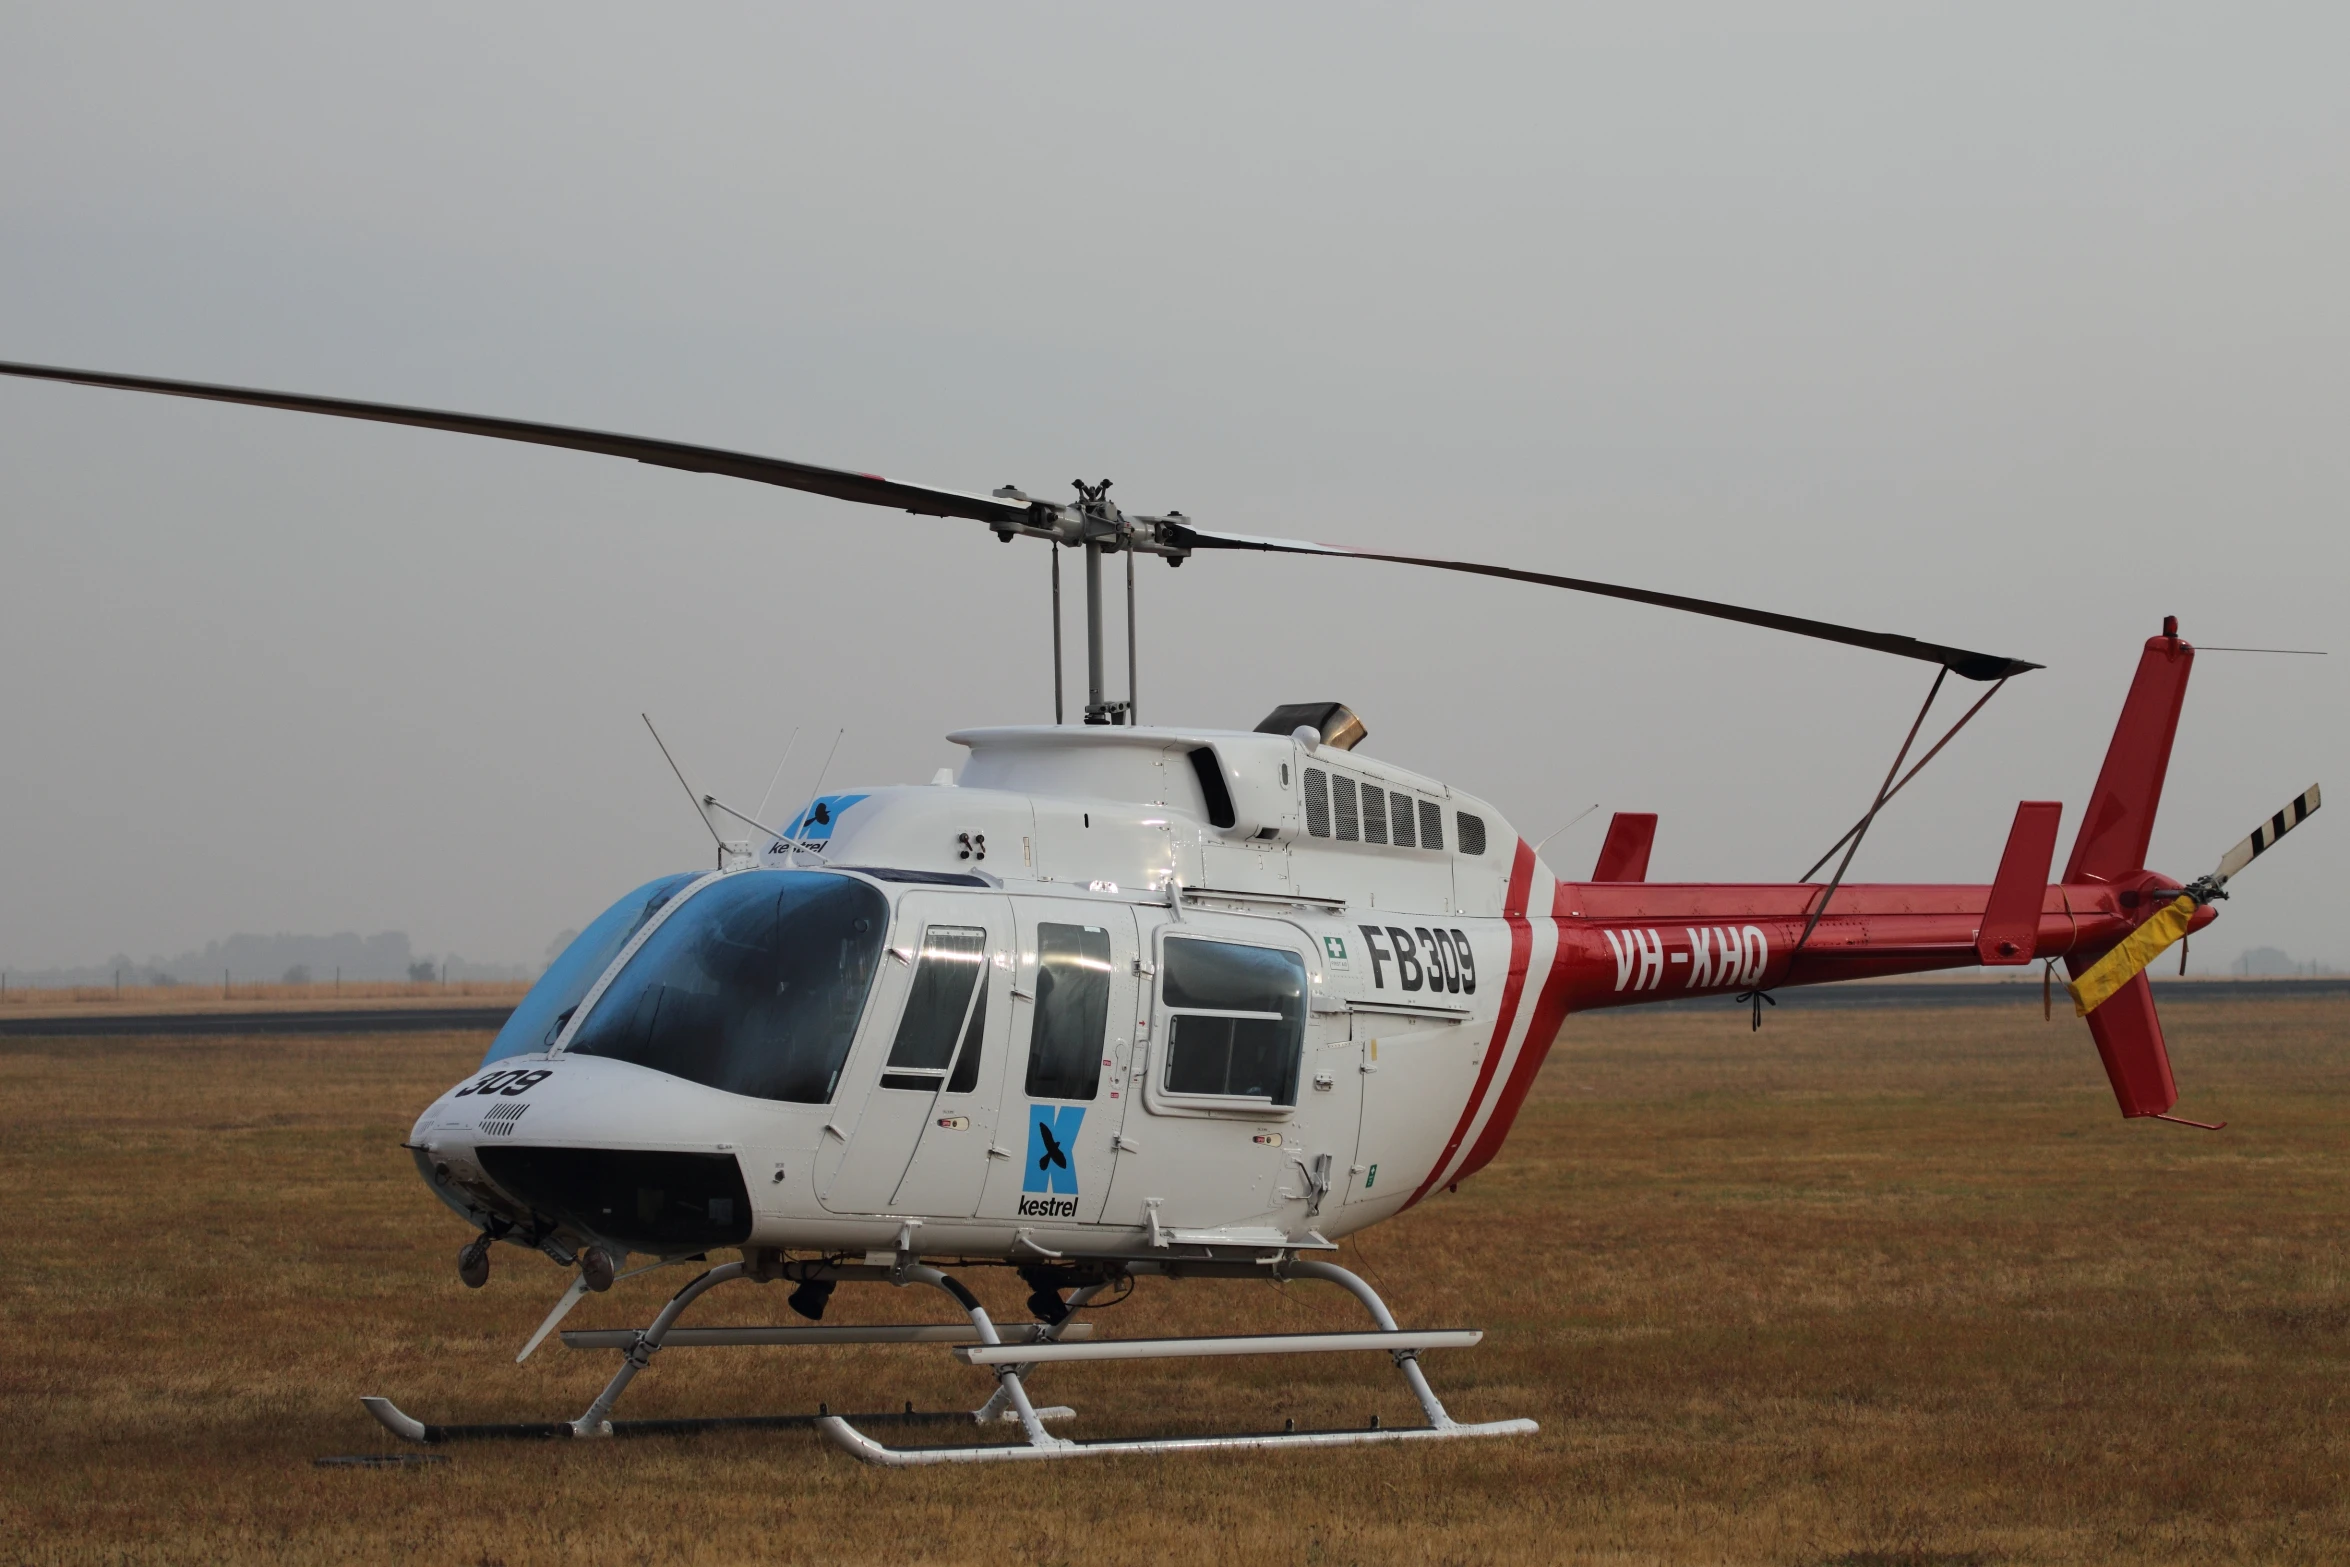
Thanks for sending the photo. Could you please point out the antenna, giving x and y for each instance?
(1579, 815)
(682, 784)
(761, 810)
(712, 802)
(2305, 652)
(800, 829)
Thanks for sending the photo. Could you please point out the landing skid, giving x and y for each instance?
(408, 1428)
(859, 1445)
(982, 1344)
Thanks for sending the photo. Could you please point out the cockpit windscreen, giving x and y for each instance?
(534, 1025)
(754, 985)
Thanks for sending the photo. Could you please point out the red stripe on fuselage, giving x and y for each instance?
(1550, 1012)
(1513, 909)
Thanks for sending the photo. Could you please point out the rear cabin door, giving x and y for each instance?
(1072, 1024)
(911, 1120)
(1246, 1093)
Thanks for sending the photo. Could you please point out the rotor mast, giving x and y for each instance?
(1096, 525)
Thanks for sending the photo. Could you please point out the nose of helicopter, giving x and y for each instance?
(585, 1146)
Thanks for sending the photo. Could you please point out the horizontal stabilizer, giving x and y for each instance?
(2011, 916)
(1624, 857)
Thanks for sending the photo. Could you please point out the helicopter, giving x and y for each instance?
(1116, 1001)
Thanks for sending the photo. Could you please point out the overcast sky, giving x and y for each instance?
(2013, 327)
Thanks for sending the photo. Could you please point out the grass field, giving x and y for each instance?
(1869, 1288)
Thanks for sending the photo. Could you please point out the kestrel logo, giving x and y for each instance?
(1052, 1139)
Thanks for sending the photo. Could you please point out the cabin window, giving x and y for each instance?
(1431, 825)
(1317, 802)
(754, 986)
(1236, 1023)
(1472, 830)
(1350, 825)
(1072, 1011)
(946, 1004)
(1374, 814)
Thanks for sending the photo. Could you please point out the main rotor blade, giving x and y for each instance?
(925, 500)
(867, 488)
(1958, 660)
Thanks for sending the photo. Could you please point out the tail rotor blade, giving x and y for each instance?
(2129, 957)
(2298, 810)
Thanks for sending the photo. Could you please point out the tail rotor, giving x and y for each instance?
(2127, 959)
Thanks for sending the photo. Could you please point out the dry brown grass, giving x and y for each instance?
(1882, 1287)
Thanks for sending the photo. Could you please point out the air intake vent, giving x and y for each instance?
(1212, 787)
(1472, 832)
(1335, 722)
(499, 1120)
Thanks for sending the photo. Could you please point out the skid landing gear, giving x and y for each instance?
(981, 1343)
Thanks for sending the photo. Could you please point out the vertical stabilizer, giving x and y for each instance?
(2119, 822)
(1624, 856)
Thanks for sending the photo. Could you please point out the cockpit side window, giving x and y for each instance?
(534, 1025)
(753, 986)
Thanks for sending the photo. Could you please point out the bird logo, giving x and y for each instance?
(1052, 1143)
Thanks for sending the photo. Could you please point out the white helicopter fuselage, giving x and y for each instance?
(1112, 993)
